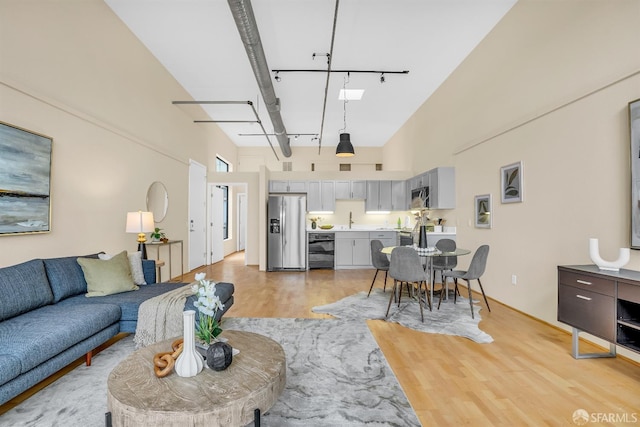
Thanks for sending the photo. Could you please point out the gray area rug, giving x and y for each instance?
(451, 319)
(336, 376)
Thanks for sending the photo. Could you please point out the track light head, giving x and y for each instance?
(382, 79)
(277, 77)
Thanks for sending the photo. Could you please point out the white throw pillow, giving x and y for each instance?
(135, 264)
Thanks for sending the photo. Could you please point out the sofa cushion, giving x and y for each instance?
(135, 264)
(41, 334)
(129, 302)
(23, 287)
(65, 276)
(107, 277)
(149, 269)
(9, 367)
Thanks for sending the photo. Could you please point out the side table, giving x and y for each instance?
(250, 385)
(170, 243)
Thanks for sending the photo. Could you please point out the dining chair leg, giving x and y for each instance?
(420, 300)
(456, 291)
(393, 292)
(385, 281)
(483, 295)
(442, 289)
(470, 298)
(374, 281)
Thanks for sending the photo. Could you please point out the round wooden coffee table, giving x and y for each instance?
(255, 380)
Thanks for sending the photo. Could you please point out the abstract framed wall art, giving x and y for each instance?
(25, 181)
(483, 211)
(511, 183)
(634, 133)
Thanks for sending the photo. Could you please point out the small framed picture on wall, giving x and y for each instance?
(483, 211)
(511, 189)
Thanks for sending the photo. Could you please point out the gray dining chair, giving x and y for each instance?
(476, 269)
(444, 263)
(405, 267)
(380, 261)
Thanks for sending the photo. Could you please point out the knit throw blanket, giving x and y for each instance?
(161, 318)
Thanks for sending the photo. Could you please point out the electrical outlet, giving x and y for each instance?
(514, 279)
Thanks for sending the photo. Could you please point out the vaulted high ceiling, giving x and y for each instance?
(198, 42)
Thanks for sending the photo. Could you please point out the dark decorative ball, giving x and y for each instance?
(219, 356)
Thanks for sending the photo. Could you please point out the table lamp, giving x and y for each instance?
(141, 223)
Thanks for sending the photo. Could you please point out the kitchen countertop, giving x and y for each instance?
(339, 228)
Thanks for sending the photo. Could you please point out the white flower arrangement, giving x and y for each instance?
(208, 304)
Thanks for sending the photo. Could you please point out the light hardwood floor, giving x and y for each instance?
(525, 377)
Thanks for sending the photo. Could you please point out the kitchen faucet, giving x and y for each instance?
(350, 219)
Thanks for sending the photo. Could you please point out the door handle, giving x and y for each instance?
(191, 225)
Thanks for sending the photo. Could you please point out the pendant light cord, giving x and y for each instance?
(344, 104)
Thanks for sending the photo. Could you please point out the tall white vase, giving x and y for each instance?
(189, 363)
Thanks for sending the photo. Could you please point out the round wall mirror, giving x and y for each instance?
(157, 201)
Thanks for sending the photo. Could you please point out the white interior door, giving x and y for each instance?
(197, 215)
(217, 226)
(242, 221)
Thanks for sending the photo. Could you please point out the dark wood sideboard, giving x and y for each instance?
(603, 303)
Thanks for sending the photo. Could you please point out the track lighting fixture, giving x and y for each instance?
(277, 77)
(382, 80)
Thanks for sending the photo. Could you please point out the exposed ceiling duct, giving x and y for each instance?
(246, 23)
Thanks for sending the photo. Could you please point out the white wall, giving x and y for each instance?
(73, 71)
(549, 86)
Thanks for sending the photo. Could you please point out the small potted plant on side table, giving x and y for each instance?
(158, 235)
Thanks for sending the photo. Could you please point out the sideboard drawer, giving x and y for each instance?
(588, 311)
(600, 285)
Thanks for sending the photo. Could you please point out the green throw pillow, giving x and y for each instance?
(107, 277)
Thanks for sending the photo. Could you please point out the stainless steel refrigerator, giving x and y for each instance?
(286, 232)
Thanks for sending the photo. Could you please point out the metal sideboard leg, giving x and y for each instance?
(256, 417)
(575, 347)
(107, 419)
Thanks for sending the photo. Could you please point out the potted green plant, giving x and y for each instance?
(158, 234)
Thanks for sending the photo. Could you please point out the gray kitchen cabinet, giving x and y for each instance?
(399, 199)
(321, 196)
(283, 186)
(419, 181)
(352, 249)
(442, 188)
(378, 196)
(351, 190)
(388, 238)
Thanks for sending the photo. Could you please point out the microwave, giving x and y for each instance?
(420, 198)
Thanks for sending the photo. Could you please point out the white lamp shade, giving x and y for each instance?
(139, 222)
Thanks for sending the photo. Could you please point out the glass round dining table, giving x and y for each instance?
(428, 254)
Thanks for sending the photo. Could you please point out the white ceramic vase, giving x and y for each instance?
(594, 252)
(189, 363)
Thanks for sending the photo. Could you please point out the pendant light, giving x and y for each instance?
(345, 148)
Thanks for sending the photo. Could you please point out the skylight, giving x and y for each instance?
(351, 94)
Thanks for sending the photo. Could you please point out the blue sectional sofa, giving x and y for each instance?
(47, 322)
